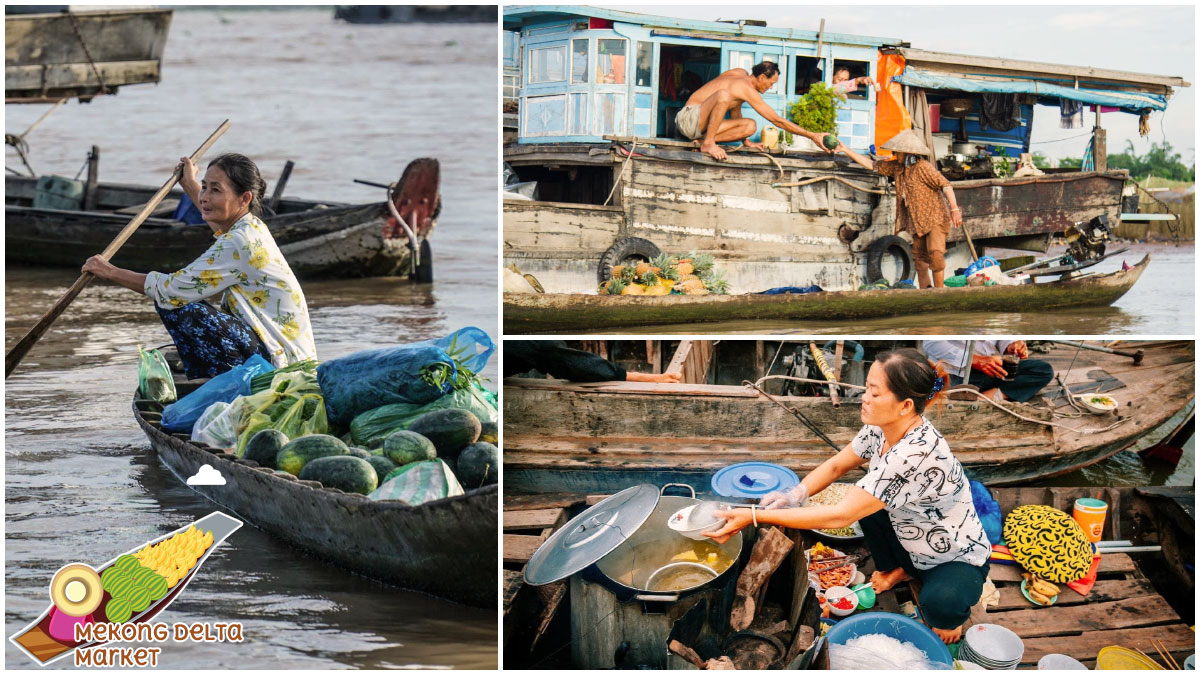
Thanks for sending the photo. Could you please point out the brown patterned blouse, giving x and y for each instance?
(920, 204)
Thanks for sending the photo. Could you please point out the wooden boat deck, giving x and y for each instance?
(595, 436)
(1127, 606)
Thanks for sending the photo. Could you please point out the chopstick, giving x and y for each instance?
(1147, 656)
(1161, 647)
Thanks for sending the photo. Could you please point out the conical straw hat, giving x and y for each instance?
(907, 141)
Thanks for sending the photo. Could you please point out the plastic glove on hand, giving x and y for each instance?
(796, 496)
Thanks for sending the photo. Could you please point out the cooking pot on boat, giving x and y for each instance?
(634, 581)
(635, 553)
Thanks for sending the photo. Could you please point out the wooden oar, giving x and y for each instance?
(19, 350)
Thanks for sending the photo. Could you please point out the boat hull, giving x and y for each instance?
(445, 548)
(550, 312)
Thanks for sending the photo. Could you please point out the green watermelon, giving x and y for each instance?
(346, 473)
(144, 575)
(117, 610)
(451, 430)
(123, 587)
(406, 447)
(382, 465)
(140, 599)
(489, 433)
(478, 465)
(293, 456)
(359, 453)
(126, 562)
(157, 587)
(109, 576)
(264, 447)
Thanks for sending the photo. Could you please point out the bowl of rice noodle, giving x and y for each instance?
(829, 497)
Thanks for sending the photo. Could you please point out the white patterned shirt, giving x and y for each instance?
(927, 496)
(259, 288)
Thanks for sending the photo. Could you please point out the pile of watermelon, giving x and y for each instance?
(440, 453)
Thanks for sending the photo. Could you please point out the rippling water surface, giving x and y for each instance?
(343, 102)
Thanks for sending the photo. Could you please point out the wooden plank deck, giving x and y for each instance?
(528, 522)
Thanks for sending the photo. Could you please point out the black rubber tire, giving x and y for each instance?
(424, 272)
(884, 245)
(623, 250)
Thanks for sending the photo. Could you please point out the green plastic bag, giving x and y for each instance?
(155, 382)
(370, 428)
(419, 482)
(305, 417)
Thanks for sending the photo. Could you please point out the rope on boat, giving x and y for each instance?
(1074, 430)
(839, 179)
(1082, 432)
(621, 173)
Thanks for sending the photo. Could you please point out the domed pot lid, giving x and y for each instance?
(591, 535)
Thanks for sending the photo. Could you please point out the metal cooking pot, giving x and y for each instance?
(653, 547)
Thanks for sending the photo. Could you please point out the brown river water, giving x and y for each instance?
(81, 483)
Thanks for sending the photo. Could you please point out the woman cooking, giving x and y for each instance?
(264, 308)
(914, 503)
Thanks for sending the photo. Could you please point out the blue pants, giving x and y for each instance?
(948, 591)
(1031, 376)
(209, 341)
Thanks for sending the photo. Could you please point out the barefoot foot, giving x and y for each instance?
(883, 581)
(714, 150)
(948, 635)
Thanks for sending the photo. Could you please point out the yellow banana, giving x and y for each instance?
(1045, 587)
(1039, 598)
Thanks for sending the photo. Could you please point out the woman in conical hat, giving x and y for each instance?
(921, 208)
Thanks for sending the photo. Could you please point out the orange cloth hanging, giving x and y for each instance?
(891, 117)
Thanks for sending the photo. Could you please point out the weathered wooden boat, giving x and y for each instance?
(615, 181)
(526, 313)
(50, 55)
(1142, 593)
(35, 640)
(319, 239)
(445, 548)
(599, 437)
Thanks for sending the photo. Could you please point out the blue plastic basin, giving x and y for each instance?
(900, 627)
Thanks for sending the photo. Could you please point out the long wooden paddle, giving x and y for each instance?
(19, 350)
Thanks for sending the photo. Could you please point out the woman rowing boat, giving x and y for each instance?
(914, 503)
(263, 308)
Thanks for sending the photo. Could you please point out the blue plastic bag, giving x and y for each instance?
(988, 511)
(372, 378)
(181, 415)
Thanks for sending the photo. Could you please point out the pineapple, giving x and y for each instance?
(662, 261)
(616, 287)
(685, 267)
(617, 271)
(717, 283)
(634, 289)
(703, 263)
(658, 289)
(642, 268)
(649, 278)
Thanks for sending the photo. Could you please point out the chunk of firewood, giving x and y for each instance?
(769, 551)
(723, 663)
(687, 653)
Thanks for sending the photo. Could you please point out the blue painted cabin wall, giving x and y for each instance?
(569, 110)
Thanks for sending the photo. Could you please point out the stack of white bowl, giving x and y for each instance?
(991, 646)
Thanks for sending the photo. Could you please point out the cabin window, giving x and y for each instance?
(547, 64)
(579, 61)
(809, 71)
(610, 62)
(856, 69)
(747, 61)
(645, 63)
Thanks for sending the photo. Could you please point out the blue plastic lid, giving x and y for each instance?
(753, 480)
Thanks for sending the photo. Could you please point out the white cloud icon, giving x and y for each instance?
(207, 476)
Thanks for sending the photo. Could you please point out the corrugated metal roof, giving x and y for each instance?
(514, 16)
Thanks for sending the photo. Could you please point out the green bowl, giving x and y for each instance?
(866, 595)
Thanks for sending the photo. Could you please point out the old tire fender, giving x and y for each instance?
(622, 250)
(893, 246)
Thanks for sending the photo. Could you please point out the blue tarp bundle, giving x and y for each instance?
(793, 290)
(1129, 101)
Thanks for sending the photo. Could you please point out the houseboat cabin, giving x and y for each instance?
(594, 94)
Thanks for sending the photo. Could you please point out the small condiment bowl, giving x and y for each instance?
(835, 593)
(866, 595)
(1108, 404)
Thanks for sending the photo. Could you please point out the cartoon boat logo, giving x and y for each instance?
(131, 588)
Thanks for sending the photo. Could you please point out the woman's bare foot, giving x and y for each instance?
(882, 581)
(948, 635)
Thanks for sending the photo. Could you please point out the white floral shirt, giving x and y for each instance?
(927, 494)
(259, 288)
